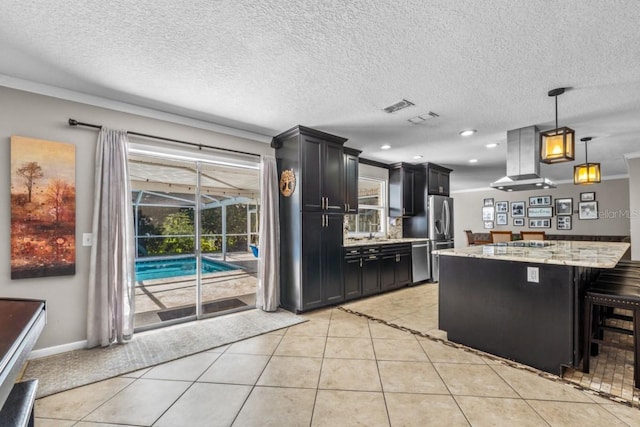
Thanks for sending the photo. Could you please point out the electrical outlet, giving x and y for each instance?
(87, 239)
(533, 275)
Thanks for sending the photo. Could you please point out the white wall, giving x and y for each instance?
(43, 117)
(613, 206)
(633, 165)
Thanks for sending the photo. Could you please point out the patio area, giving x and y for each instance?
(162, 300)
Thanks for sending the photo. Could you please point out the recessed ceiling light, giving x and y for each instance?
(539, 184)
(473, 161)
(492, 145)
(385, 146)
(417, 157)
(510, 189)
(545, 187)
(467, 132)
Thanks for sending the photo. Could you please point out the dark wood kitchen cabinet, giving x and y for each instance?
(406, 185)
(352, 273)
(370, 270)
(311, 218)
(322, 282)
(395, 266)
(351, 180)
(438, 179)
(322, 173)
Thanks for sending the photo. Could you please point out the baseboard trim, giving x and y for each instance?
(50, 351)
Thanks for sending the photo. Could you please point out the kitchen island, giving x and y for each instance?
(523, 300)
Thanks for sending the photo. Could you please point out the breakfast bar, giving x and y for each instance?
(523, 300)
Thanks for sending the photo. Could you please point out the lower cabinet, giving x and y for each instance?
(395, 270)
(322, 281)
(369, 270)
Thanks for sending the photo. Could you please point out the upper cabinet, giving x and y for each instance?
(437, 179)
(351, 180)
(406, 195)
(322, 172)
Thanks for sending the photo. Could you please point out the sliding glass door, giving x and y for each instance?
(195, 222)
(166, 263)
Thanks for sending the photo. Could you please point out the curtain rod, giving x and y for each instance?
(73, 122)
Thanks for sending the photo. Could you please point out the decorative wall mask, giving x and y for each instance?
(287, 182)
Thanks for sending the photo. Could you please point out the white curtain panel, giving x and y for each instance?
(268, 295)
(112, 276)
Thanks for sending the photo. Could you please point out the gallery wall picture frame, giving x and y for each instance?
(540, 223)
(588, 210)
(540, 201)
(540, 212)
(588, 196)
(564, 206)
(517, 209)
(502, 207)
(518, 222)
(488, 202)
(501, 219)
(488, 225)
(487, 213)
(563, 222)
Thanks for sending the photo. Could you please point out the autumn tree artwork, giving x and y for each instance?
(43, 208)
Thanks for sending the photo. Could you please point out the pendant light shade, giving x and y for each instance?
(586, 173)
(557, 145)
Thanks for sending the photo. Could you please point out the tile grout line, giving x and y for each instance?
(507, 362)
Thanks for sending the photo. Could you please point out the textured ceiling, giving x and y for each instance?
(267, 65)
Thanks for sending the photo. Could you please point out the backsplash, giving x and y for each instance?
(395, 228)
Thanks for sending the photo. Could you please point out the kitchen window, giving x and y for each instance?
(372, 208)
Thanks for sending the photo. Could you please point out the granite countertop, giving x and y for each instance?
(379, 241)
(562, 252)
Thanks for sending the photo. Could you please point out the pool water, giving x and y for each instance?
(175, 267)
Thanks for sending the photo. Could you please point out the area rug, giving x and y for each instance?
(81, 367)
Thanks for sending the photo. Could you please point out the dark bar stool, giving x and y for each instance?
(603, 296)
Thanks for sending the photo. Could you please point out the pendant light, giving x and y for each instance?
(557, 145)
(586, 173)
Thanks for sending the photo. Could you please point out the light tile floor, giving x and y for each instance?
(338, 369)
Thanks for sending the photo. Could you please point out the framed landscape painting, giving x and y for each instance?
(43, 208)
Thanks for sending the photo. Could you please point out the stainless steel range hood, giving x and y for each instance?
(523, 162)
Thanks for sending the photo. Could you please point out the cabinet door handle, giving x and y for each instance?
(360, 262)
(346, 207)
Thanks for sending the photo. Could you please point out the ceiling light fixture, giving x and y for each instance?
(473, 161)
(385, 147)
(467, 132)
(586, 173)
(557, 145)
(417, 157)
(492, 145)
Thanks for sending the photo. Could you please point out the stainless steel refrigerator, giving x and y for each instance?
(440, 226)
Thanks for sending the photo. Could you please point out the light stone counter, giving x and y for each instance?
(379, 241)
(562, 252)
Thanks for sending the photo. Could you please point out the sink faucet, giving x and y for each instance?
(371, 227)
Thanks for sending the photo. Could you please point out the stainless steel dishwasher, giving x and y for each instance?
(421, 260)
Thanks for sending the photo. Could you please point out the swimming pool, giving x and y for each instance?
(163, 268)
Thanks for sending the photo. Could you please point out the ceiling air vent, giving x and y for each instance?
(423, 118)
(398, 106)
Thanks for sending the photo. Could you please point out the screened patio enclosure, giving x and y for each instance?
(195, 222)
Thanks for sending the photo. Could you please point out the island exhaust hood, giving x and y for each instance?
(523, 162)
